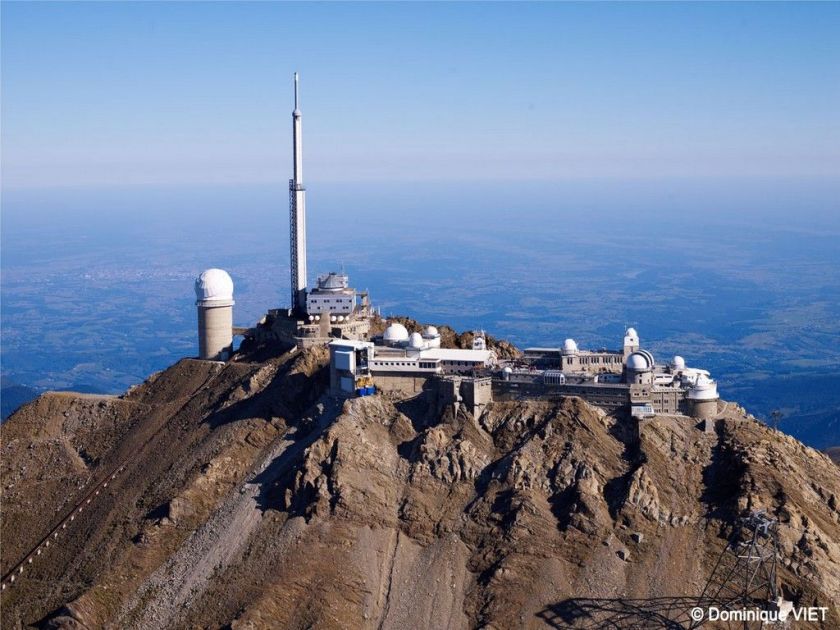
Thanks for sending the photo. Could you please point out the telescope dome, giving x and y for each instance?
(639, 362)
(570, 346)
(430, 331)
(214, 285)
(395, 333)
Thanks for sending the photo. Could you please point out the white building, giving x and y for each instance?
(332, 294)
(400, 358)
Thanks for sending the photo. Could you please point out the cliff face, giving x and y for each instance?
(250, 498)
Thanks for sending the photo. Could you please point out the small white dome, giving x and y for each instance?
(569, 346)
(508, 370)
(214, 285)
(631, 332)
(678, 363)
(415, 340)
(395, 333)
(639, 362)
(430, 331)
(704, 389)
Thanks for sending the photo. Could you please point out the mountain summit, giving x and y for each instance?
(243, 495)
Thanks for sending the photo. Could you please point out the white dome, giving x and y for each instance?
(415, 340)
(704, 389)
(430, 332)
(569, 346)
(639, 361)
(214, 285)
(395, 333)
(631, 332)
(678, 363)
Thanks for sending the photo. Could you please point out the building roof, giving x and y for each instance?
(457, 354)
(351, 343)
(333, 281)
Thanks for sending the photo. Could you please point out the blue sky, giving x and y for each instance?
(105, 94)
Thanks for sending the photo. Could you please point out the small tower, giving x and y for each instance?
(214, 301)
(631, 342)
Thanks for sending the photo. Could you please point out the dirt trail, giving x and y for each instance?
(165, 595)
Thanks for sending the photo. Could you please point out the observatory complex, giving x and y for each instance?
(629, 378)
(407, 363)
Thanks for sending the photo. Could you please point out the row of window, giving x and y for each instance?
(425, 365)
(611, 358)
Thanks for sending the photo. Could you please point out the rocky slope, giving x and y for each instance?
(249, 498)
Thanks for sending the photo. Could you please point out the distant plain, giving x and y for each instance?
(740, 277)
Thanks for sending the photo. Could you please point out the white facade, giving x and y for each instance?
(337, 304)
(357, 359)
(430, 360)
(331, 294)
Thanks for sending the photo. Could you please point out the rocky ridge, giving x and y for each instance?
(251, 499)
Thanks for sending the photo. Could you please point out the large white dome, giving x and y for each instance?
(214, 285)
(395, 333)
(639, 361)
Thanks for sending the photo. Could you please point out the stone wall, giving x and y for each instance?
(405, 385)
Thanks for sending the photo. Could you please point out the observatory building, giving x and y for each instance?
(629, 377)
(214, 302)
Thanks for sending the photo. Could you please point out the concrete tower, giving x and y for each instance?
(297, 214)
(214, 301)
